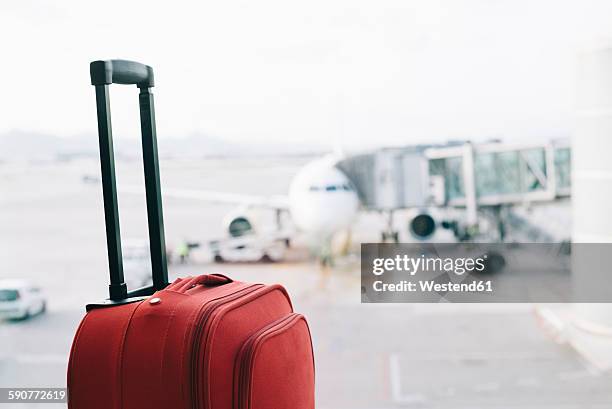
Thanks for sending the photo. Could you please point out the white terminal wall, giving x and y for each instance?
(592, 176)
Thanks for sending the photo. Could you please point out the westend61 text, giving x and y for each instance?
(432, 286)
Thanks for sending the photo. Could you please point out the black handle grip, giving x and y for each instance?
(121, 72)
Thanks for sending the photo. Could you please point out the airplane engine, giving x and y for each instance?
(422, 226)
(240, 223)
(248, 239)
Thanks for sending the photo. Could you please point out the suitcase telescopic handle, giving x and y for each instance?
(104, 73)
(121, 72)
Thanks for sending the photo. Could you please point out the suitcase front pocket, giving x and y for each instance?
(275, 367)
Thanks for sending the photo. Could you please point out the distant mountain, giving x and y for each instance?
(24, 145)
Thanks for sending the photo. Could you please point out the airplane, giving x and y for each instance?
(440, 183)
(321, 202)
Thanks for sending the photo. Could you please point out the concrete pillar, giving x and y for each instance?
(592, 198)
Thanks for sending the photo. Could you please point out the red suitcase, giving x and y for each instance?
(201, 342)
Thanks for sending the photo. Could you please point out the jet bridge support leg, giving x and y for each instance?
(390, 234)
(499, 216)
(469, 185)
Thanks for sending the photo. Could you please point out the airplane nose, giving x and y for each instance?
(324, 217)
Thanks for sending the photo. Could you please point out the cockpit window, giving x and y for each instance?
(332, 188)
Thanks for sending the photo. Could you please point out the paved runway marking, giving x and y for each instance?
(395, 379)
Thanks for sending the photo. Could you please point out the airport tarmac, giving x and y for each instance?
(367, 356)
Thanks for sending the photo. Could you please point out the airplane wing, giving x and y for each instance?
(276, 202)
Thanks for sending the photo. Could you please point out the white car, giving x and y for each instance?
(19, 299)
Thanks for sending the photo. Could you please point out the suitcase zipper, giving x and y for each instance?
(246, 356)
(203, 316)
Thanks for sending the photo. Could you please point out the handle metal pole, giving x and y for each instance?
(104, 73)
(117, 288)
(153, 189)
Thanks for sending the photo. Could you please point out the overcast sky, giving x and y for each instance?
(363, 72)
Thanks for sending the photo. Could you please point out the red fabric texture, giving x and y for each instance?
(183, 351)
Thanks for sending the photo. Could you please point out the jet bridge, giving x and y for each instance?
(390, 178)
(462, 174)
(495, 174)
